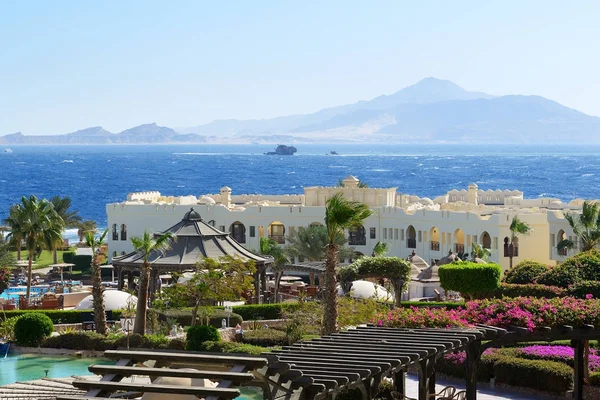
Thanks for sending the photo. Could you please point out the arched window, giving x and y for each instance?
(486, 240)
(357, 236)
(411, 237)
(115, 232)
(123, 232)
(238, 232)
(560, 237)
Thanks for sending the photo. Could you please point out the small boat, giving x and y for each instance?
(8, 150)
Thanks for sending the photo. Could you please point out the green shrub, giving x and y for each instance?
(550, 376)
(68, 257)
(582, 289)
(561, 275)
(176, 344)
(58, 316)
(199, 334)
(470, 278)
(232, 347)
(7, 328)
(253, 312)
(595, 379)
(265, 337)
(525, 272)
(31, 329)
(529, 290)
(587, 263)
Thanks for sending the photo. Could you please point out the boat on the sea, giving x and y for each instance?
(8, 150)
(282, 150)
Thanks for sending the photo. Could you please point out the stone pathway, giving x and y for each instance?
(483, 393)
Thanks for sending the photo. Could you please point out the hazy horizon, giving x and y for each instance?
(69, 66)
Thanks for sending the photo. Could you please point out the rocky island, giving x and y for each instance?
(282, 150)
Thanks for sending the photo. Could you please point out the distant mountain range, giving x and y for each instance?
(432, 110)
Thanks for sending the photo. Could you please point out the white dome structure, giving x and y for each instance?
(369, 290)
(113, 300)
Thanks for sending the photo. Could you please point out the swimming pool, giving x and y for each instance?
(14, 292)
(27, 367)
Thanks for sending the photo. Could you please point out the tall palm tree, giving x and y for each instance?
(340, 214)
(147, 244)
(41, 226)
(585, 226)
(311, 243)
(15, 222)
(517, 227)
(71, 219)
(84, 227)
(96, 244)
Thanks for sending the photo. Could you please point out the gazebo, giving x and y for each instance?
(195, 241)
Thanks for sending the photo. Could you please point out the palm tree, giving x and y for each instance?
(380, 249)
(517, 227)
(84, 227)
(311, 243)
(15, 222)
(340, 214)
(96, 244)
(585, 226)
(71, 219)
(478, 251)
(41, 226)
(147, 244)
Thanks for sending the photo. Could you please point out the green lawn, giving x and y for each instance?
(44, 260)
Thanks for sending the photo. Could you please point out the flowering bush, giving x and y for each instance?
(422, 317)
(564, 354)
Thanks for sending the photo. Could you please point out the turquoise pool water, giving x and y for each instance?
(26, 367)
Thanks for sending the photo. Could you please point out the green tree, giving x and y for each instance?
(380, 249)
(311, 243)
(42, 226)
(147, 244)
(269, 247)
(340, 214)
(84, 227)
(517, 227)
(6, 257)
(96, 244)
(71, 219)
(478, 251)
(15, 223)
(585, 226)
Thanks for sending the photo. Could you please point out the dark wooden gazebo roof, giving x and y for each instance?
(195, 240)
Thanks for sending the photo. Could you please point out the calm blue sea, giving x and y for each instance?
(96, 175)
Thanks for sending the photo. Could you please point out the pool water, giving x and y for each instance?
(26, 367)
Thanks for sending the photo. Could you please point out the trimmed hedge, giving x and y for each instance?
(253, 312)
(470, 278)
(507, 368)
(31, 329)
(233, 347)
(265, 337)
(584, 288)
(82, 262)
(56, 316)
(95, 341)
(184, 317)
(68, 256)
(530, 290)
(433, 304)
(562, 275)
(525, 272)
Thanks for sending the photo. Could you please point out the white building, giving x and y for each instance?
(431, 228)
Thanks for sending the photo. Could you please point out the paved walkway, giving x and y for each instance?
(483, 393)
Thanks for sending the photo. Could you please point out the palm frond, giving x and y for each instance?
(565, 244)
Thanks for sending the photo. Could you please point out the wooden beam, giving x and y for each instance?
(198, 391)
(186, 357)
(175, 373)
(578, 369)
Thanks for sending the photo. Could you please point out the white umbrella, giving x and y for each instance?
(113, 300)
(370, 290)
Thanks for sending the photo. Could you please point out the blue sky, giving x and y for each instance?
(66, 65)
